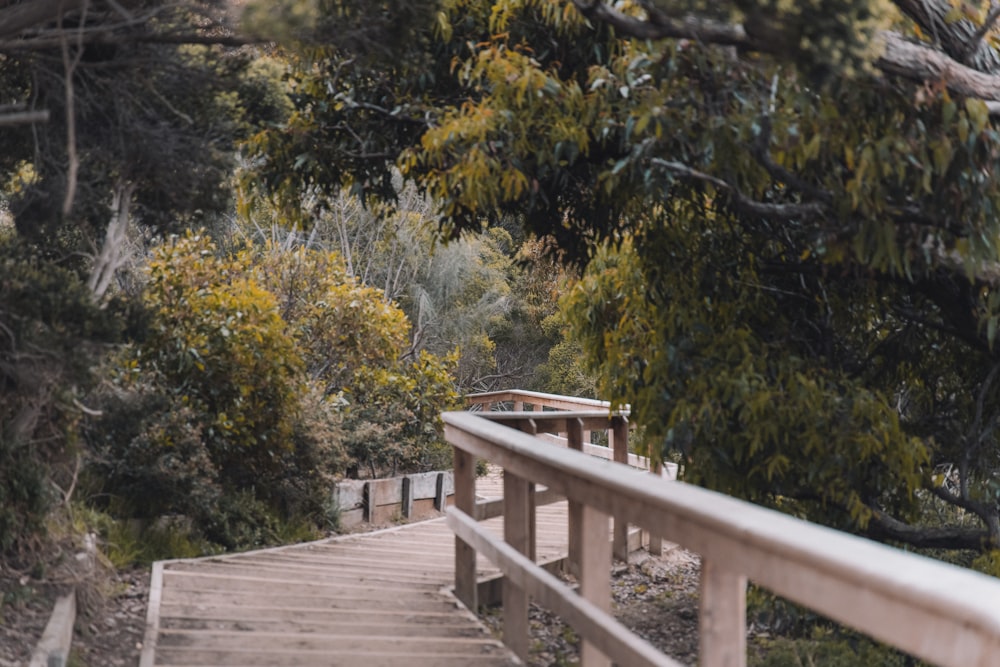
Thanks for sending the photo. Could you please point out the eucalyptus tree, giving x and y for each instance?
(794, 205)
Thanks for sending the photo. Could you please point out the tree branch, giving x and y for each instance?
(16, 19)
(69, 67)
(959, 39)
(743, 203)
(698, 30)
(900, 57)
(24, 117)
(885, 527)
(977, 37)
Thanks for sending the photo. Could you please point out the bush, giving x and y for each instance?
(258, 373)
(211, 416)
(393, 418)
(50, 329)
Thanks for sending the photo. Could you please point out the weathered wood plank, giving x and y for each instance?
(333, 627)
(368, 658)
(465, 555)
(444, 614)
(357, 599)
(240, 641)
(236, 583)
(722, 632)
(517, 533)
(619, 446)
(595, 577)
(54, 645)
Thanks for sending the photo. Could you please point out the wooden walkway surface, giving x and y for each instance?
(375, 599)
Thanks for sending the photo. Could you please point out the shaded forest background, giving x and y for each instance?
(249, 247)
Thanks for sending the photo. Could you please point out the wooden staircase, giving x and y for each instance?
(379, 600)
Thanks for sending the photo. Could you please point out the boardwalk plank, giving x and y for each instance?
(378, 600)
(208, 599)
(324, 659)
(444, 615)
(278, 626)
(287, 576)
(240, 641)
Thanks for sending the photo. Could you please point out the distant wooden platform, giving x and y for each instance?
(377, 599)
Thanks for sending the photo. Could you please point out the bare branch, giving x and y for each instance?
(709, 32)
(919, 62)
(959, 39)
(69, 67)
(24, 117)
(16, 19)
(977, 37)
(110, 258)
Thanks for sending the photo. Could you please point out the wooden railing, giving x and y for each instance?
(519, 400)
(544, 415)
(934, 611)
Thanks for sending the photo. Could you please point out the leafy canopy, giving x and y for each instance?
(791, 209)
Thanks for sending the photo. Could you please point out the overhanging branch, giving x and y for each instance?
(24, 117)
(900, 57)
(885, 527)
(747, 205)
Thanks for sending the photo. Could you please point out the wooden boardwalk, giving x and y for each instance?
(372, 599)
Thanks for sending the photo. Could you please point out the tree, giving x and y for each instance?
(809, 307)
(124, 114)
(118, 119)
(485, 294)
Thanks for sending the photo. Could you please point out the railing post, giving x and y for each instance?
(531, 428)
(722, 634)
(516, 531)
(518, 406)
(619, 444)
(655, 539)
(574, 438)
(595, 574)
(465, 555)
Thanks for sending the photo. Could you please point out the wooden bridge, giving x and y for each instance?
(392, 597)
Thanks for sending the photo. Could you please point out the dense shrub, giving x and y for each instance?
(260, 374)
(50, 332)
(392, 420)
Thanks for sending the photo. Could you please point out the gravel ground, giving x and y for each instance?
(654, 596)
(111, 615)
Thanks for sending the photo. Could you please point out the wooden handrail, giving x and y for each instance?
(539, 399)
(938, 612)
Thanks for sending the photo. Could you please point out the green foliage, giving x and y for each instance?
(338, 324)
(988, 563)
(392, 419)
(217, 339)
(823, 649)
(24, 498)
(206, 417)
(49, 328)
(262, 373)
(794, 264)
(126, 542)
